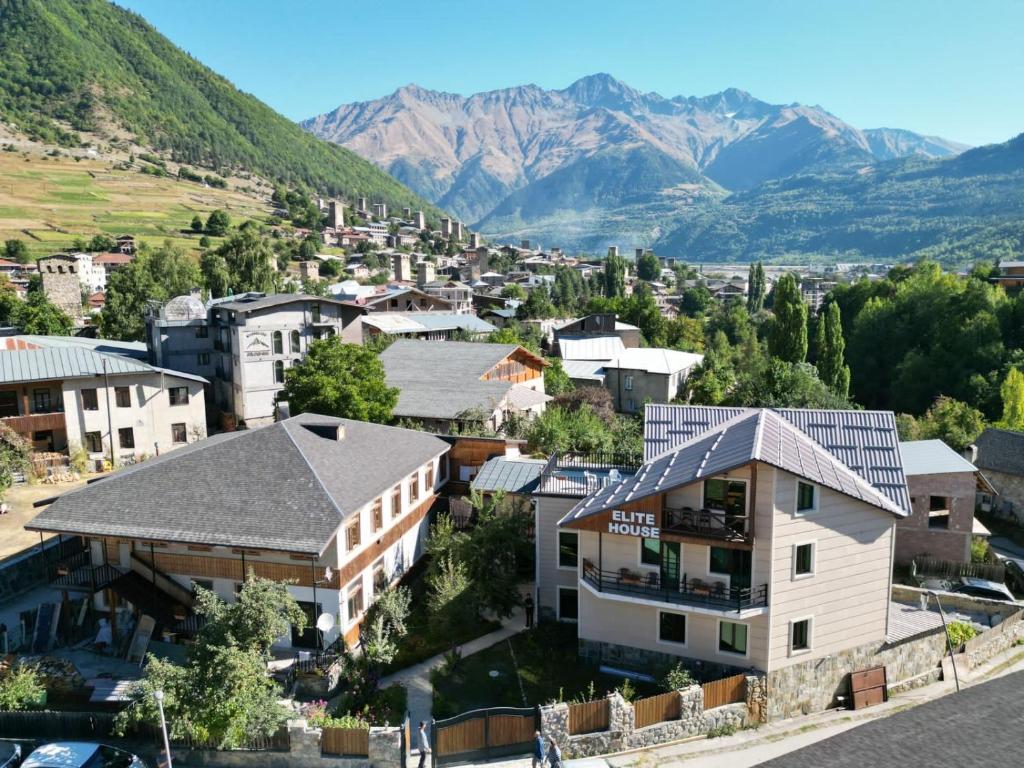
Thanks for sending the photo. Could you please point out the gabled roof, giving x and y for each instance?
(520, 475)
(653, 360)
(72, 362)
(285, 487)
(273, 300)
(590, 347)
(738, 438)
(422, 322)
(1001, 450)
(932, 457)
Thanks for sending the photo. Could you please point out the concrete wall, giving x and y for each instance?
(1010, 489)
(652, 387)
(913, 536)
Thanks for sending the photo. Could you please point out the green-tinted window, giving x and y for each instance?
(732, 638)
(672, 628)
(650, 552)
(726, 496)
(568, 548)
(804, 559)
(801, 635)
(804, 497)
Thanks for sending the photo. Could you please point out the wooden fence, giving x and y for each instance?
(47, 724)
(350, 742)
(656, 709)
(588, 717)
(484, 734)
(953, 570)
(728, 690)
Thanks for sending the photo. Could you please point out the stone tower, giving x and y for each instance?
(61, 284)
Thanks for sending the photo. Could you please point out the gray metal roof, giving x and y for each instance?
(590, 370)
(418, 322)
(274, 300)
(134, 349)
(865, 441)
(287, 486)
(1001, 450)
(751, 434)
(932, 457)
(512, 475)
(71, 362)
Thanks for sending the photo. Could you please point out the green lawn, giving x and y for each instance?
(549, 669)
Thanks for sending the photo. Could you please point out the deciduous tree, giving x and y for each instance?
(1012, 392)
(787, 336)
(831, 347)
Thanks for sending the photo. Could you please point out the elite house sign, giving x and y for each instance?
(640, 524)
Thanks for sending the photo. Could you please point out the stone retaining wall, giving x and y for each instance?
(622, 735)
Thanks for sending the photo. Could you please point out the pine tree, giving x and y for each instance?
(831, 346)
(787, 338)
(1012, 392)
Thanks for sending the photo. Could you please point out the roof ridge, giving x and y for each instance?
(285, 425)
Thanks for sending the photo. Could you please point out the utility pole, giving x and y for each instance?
(110, 414)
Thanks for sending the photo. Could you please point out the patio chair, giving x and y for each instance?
(652, 580)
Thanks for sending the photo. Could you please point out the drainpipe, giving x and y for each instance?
(110, 415)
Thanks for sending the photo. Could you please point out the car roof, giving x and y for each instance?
(972, 581)
(61, 754)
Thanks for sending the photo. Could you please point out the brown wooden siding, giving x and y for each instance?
(728, 690)
(354, 742)
(656, 709)
(588, 717)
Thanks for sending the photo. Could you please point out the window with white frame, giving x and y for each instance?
(355, 600)
(806, 497)
(803, 559)
(628, 382)
(800, 635)
(568, 604)
(732, 638)
(568, 549)
(672, 627)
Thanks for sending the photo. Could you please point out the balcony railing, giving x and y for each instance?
(35, 422)
(76, 571)
(695, 592)
(581, 474)
(708, 524)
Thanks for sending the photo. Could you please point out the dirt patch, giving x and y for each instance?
(19, 499)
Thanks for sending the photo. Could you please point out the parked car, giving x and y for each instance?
(10, 754)
(80, 754)
(1014, 572)
(992, 590)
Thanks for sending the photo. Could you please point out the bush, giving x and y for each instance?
(959, 632)
(677, 678)
(20, 688)
(722, 730)
(979, 550)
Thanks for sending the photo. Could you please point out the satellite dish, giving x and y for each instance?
(325, 623)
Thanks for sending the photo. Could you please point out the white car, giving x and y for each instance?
(10, 754)
(80, 754)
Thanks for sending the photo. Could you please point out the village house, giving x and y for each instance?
(599, 325)
(425, 325)
(337, 508)
(244, 344)
(443, 384)
(943, 486)
(1000, 455)
(648, 374)
(1011, 274)
(63, 394)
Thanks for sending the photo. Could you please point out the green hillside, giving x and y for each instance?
(957, 210)
(88, 65)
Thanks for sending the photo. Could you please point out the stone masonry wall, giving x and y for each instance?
(1010, 489)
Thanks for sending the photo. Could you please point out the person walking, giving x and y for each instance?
(424, 744)
(528, 610)
(538, 750)
(554, 755)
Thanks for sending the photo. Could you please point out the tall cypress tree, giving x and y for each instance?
(755, 288)
(615, 277)
(787, 338)
(832, 368)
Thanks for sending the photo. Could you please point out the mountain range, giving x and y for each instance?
(74, 68)
(600, 162)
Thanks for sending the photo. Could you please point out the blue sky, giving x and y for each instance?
(954, 69)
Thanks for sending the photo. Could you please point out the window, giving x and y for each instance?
(278, 343)
(89, 400)
(735, 563)
(380, 578)
(93, 442)
(630, 404)
(803, 559)
(355, 601)
(568, 604)
(126, 437)
(8, 403)
(939, 520)
(123, 397)
(800, 636)
(650, 551)
(414, 488)
(378, 515)
(352, 535)
(40, 401)
(568, 549)
(202, 331)
(628, 384)
(672, 628)
(178, 395)
(428, 479)
(178, 434)
(726, 495)
(732, 638)
(206, 584)
(938, 504)
(806, 498)
(203, 358)
(279, 372)
(314, 312)
(295, 342)
(396, 501)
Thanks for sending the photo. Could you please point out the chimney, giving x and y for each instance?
(639, 252)
(339, 432)
(971, 453)
(613, 250)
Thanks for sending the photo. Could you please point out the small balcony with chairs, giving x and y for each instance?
(713, 524)
(580, 474)
(651, 586)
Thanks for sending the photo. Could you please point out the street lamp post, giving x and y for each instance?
(159, 696)
(949, 643)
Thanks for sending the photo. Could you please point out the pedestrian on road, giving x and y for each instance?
(554, 755)
(538, 750)
(424, 744)
(528, 610)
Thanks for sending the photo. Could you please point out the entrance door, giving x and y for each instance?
(670, 564)
(307, 637)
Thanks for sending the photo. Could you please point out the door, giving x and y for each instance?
(670, 564)
(307, 637)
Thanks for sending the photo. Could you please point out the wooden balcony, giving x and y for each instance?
(707, 524)
(35, 422)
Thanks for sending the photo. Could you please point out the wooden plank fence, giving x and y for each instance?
(484, 734)
(55, 724)
(952, 570)
(728, 690)
(656, 709)
(350, 742)
(588, 717)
